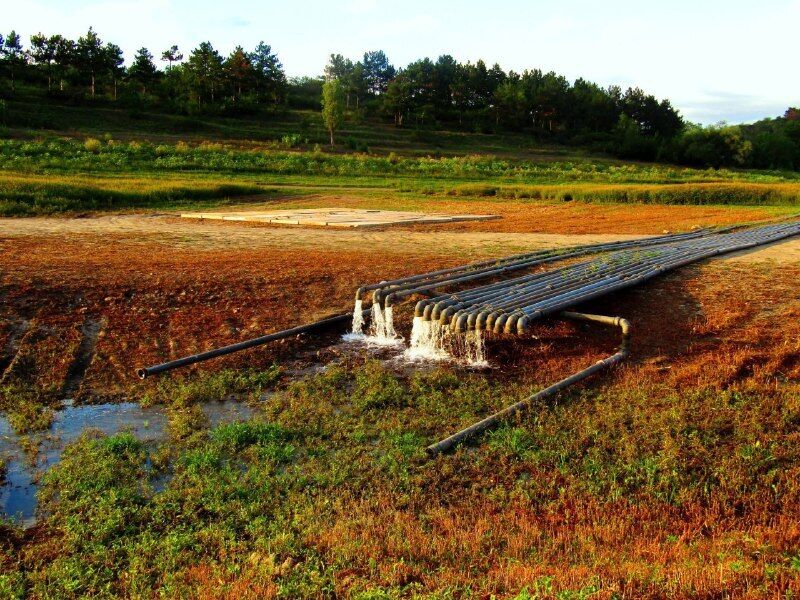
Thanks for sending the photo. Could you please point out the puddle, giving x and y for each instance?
(18, 494)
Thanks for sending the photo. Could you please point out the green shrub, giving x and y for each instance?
(93, 145)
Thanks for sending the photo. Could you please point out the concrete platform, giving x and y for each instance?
(336, 217)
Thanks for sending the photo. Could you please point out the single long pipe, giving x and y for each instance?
(145, 372)
(492, 420)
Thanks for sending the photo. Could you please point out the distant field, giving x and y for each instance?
(53, 174)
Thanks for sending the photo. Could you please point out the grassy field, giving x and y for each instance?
(38, 177)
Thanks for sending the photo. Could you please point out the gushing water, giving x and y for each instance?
(432, 341)
(475, 349)
(381, 331)
(357, 330)
(358, 318)
(427, 341)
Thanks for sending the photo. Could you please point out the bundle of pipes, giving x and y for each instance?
(510, 306)
(521, 289)
(464, 274)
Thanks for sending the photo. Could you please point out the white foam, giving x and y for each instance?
(381, 330)
(475, 349)
(427, 341)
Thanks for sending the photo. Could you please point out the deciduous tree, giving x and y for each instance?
(332, 106)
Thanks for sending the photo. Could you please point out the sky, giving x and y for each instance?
(734, 60)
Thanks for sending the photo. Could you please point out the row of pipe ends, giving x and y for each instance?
(494, 320)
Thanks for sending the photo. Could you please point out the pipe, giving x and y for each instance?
(513, 304)
(490, 267)
(145, 372)
(492, 420)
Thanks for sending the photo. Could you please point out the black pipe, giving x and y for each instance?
(492, 420)
(145, 372)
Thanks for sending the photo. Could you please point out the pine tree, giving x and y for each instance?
(91, 57)
(143, 71)
(14, 57)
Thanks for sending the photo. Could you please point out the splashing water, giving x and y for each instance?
(358, 318)
(475, 349)
(432, 341)
(427, 341)
(381, 331)
(357, 330)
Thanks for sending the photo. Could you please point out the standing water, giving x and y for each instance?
(148, 424)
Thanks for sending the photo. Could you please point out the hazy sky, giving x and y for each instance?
(716, 60)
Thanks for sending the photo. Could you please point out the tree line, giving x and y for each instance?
(629, 123)
(444, 94)
(90, 67)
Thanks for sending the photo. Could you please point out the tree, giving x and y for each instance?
(143, 71)
(43, 53)
(92, 57)
(377, 71)
(445, 76)
(204, 71)
(509, 103)
(113, 62)
(420, 80)
(342, 68)
(332, 106)
(239, 71)
(13, 57)
(270, 79)
(171, 55)
(65, 59)
(397, 100)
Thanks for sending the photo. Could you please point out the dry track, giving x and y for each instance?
(176, 233)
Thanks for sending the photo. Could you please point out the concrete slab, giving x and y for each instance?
(337, 217)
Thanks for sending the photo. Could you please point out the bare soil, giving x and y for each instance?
(159, 288)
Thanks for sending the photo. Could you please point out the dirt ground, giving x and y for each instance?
(125, 291)
(176, 233)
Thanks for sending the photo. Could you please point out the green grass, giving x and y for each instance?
(245, 500)
(41, 177)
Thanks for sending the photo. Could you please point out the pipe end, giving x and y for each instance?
(141, 373)
(522, 325)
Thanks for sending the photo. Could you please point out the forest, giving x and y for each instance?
(440, 95)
